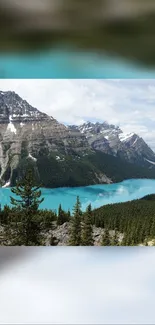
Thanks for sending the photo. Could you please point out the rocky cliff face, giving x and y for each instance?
(111, 140)
(26, 132)
(27, 135)
(65, 156)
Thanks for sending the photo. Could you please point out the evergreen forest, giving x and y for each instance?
(122, 224)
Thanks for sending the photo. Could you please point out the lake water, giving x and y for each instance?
(97, 195)
(60, 63)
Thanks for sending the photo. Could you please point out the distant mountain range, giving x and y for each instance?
(111, 140)
(66, 156)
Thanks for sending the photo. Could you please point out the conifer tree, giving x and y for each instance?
(60, 219)
(68, 215)
(27, 228)
(152, 228)
(86, 236)
(75, 231)
(28, 192)
(106, 238)
(62, 216)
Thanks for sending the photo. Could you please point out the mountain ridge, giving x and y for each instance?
(59, 155)
(110, 139)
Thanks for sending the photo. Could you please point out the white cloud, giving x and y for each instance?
(80, 286)
(128, 103)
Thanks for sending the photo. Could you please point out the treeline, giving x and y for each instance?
(74, 170)
(118, 169)
(132, 223)
(25, 224)
(135, 219)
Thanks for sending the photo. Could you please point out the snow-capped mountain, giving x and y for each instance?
(28, 136)
(63, 155)
(26, 133)
(112, 140)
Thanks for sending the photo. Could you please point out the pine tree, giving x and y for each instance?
(106, 238)
(86, 236)
(62, 216)
(28, 192)
(26, 231)
(75, 231)
(152, 228)
(60, 219)
(68, 215)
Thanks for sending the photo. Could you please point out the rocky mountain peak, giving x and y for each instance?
(26, 134)
(98, 130)
(59, 153)
(14, 109)
(128, 137)
(111, 140)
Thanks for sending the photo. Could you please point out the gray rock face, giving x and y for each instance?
(28, 136)
(14, 109)
(111, 140)
(25, 129)
(61, 235)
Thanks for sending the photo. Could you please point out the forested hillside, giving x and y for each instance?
(135, 219)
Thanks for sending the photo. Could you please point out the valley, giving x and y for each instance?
(76, 185)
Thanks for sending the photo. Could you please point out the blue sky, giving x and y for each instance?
(129, 103)
(79, 286)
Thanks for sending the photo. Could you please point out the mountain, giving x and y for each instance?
(59, 155)
(111, 140)
(28, 136)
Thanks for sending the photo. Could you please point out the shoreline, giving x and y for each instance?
(96, 202)
(82, 186)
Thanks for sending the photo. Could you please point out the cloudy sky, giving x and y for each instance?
(129, 103)
(79, 286)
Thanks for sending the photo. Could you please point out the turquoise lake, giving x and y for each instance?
(60, 63)
(97, 195)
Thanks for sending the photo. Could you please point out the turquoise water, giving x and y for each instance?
(97, 195)
(69, 64)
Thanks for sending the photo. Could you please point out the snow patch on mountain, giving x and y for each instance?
(7, 184)
(135, 141)
(11, 127)
(151, 162)
(125, 136)
(111, 140)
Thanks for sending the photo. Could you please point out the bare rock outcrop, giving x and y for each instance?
(60, 235)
